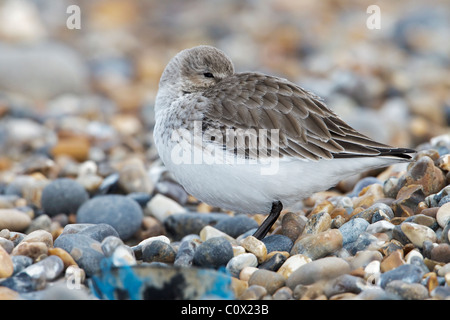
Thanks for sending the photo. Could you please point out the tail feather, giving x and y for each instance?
(403, 153)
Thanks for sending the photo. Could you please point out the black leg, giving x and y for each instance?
(270, 220)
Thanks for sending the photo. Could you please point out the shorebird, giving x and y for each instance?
(253, 143)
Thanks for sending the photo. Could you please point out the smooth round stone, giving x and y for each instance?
(407, 291)
(109, 244)
(441, 253)
(20, 262)
(40, 236)
(253, 292)
(293, 263)
(443, 215)
(364, 241)
(6, 244)
(158, 251)
(277, 242)
(14, 220)
(255, 246)
(99, 231)
(133, 177)
(407, 273)
(120, 212)
(6, 264)
(292, 225)
(320, 269)
(185, 253)
(237, 225)
(23, 283)
(344, 283)
(363, 183)
(417, 233)
(213, 253)
(317, 223)
(318, 245)
(141, 198)
(172, 190)
(270, 280)
(49, 268)
(274, 262)
(380, 227)
(63, 255)
(43, 222)
(63, 195)
(180, 225)
(30, 249)
(237, 263)
(86, 251)
(162, 207)
(352, 229)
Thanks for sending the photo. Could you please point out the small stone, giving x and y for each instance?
(49, 268)
(320, 269)
(109, 244)
(133, 177)
(424, 220)
(352, 229)
(30, 249)
(120, 212)
(75, 147)
(274, 262)
(317, 223)
(423, 172)
(293, 263)
(63, 255)
(150, 227)
(246, 273)
(417, 233)
(86, 251)
(20, 263)
(443, 215)
(235, 226)
(6, 244)
(162, 207)
(284, 293)
(270, 280)
(237, 263)
(63, 195)
(185, 253)
(441, 253)
(158, 251)
(407, 273)
(99, 232)
(254, 292)
(213, 253)
(277, 242)
(363, 258)
(40, 236)
(408, 199)
(369, 195)
(14, 220)
(318, 245)
(8, 294)
(6, 264)
(238, 286)
(172, 190)
(380, 227)
(124, 256)
(394, 260)
(209, 232)
(180, 225)
(344, 283)
(407, 291)
(43, 222)
(292, 225)
(255, 246)
(22, 282)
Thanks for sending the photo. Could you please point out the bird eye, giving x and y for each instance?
(208, 75)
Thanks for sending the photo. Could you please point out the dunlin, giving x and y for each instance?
(251, 142)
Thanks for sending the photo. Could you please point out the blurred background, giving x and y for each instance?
(73, 95)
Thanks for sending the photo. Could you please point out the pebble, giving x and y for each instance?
(158, 251)
(185, 253)
(14, 220)
(407, 273)
(441, 253)
(407, 291)
(320, 269)
(6, 264)
(237, 225)
(162, 207)
(30, 249)
(110, 244)
(180, 225)
(49, 268)
(269, 280)
(293, 263)
(123, 256)
(253, 292)
(120, 212)
(213, 253)
(317, 223)
(344, 283)
(318, 245)
(40, 236)
(20, 262)
(63, 195)
(277, 242)
(209, 232)
(351, 230)
(255, 246)
(417, 233)
(100, 231)
(63, 255)
(86, 251)
(443, 215)
(133, 177)
(292, 225)
(274, 261)
(237, 263)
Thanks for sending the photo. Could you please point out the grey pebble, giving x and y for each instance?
(237, 225)
(407, 291)
(277, 242)
(99, 231)
(213, 253)
(407, 273)
(158, 251)
(352, 229)
(63, 195)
